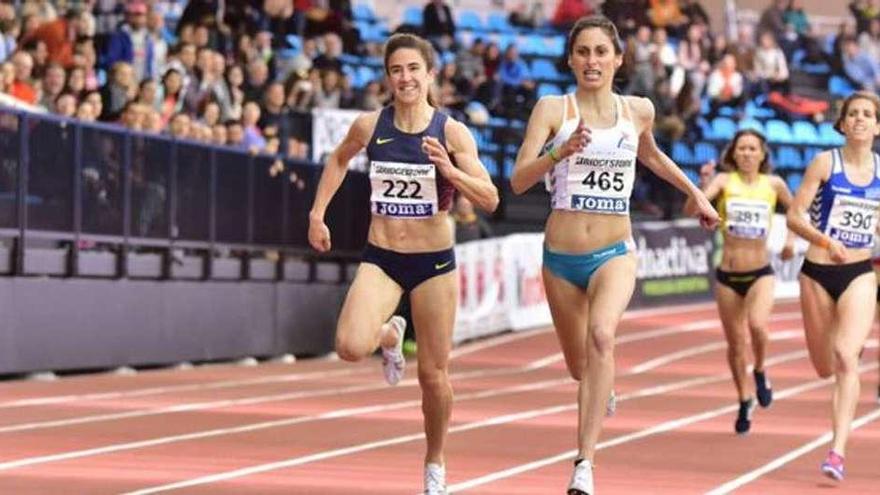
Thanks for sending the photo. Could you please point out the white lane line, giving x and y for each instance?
(354, 412)
(695, 351)
(638, 435)
(465, 349)
(201, 406)
(777, 463)
(494, 421)
(263, 425)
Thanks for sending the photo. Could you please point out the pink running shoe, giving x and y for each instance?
(833, 466)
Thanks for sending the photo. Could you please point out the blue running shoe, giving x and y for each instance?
(763, 389)
(744, 417)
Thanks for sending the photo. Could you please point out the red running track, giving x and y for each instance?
(329, 427)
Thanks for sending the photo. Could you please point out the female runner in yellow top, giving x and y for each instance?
(747, 196)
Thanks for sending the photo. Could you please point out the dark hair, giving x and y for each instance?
(423, 46)
(597, 22)
(729, 164)
(858, 95)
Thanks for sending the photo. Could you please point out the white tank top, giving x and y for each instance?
(600, 178)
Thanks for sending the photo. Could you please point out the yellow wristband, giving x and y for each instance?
(824, 243)
(553, 155)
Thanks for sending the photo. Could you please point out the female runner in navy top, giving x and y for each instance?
(418, 157)
(841, 193)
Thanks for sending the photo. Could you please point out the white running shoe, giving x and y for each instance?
(611, 405)
(393, 362)
(582, 479)
(435, 479)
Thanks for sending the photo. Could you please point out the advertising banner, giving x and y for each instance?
(675, 263)
(329, 127)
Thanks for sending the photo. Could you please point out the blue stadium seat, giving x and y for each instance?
(828, 136)
(693, 175)
(778, 131)
(703, 152)
(489, 163)
(751, 124)
(363, 12)
(810, 153)
(544, 69)
(532, 44)
(794, 181)
(497, 122)
(681, 153)
(468, 19)
(545, 89)
(555, 46)
(498, 22)
(805, 133)
(838, 86)
(788, 157)
(508, 166)
(413, 15)
(723, 128)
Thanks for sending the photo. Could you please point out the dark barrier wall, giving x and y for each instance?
(57, 324)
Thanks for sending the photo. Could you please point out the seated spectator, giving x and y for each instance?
(253, 138)
(52, 86)
(65, 105)
(59, 35)
(773, 18)
(23, 88)
(148, 94)
(718, 49)
(118, 91)
(667, 15)
(692, 58)
(372, 97)
(863, 12)
(171, 95)
(568, 12)
(796, 17)
(132, 42)
(869, 41)
(235, 133)
(179, 126)
(845, 31)
(328, 94)
(517, 87)
(438, 25)
(219, 135)
(234, 83)
(663, 51)
(469, 61)
(469, 226)
(527, 14)
(627, 15)
(640, 57)
(859, 68)
(76, 81)
(694, 12)
(771, 67)
(725, 85)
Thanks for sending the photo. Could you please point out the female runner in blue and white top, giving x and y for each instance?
(417, 157)
(589, 271)
(841, 192)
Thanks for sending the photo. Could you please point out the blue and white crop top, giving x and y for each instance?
(845, 211)
(600, 178)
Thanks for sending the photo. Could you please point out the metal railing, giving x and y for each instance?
(72, 185)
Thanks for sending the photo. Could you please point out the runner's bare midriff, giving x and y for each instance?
(412, 235)
(579, 232)
(743, 255)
